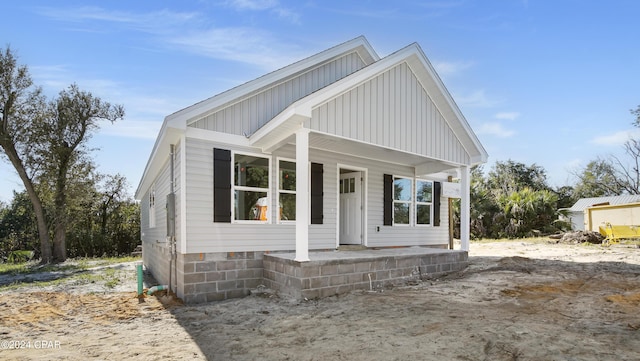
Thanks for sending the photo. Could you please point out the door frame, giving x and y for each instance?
(364, 200)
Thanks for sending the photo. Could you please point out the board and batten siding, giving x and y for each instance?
(391, 110)
(204, 235)
(249, 114)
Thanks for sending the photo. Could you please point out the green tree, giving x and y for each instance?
(18, 230)
(511, 176)
(62, 140)
(513, 200)
(45, 140)
(21, 105)
(597, 179)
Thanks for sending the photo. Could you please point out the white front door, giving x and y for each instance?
(351, 208)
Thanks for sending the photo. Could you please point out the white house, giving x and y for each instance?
(342, 147)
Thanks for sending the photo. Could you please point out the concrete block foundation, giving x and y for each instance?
(206, 277)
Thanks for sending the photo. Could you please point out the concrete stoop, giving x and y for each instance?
(333, 273)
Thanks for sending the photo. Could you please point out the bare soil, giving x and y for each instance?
(515, 301)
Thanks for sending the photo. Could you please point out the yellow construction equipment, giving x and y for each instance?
(615, 233)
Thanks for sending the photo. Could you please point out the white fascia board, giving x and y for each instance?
(217, 137)
(196, 111)
(278, 129)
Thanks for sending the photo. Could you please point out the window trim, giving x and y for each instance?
(283, 191)
(235, 188)
(430, 204)
(410, 202)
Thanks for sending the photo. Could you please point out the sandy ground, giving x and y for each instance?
(515, 301)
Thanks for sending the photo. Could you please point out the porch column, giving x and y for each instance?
(465, 207)
(302, 195)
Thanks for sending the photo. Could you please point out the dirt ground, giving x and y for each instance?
(515, 301)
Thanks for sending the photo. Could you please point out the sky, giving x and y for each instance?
(549, 83)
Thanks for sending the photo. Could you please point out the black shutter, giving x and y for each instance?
(388, 200)
(317, 193)
(221, 185)
(436, 203)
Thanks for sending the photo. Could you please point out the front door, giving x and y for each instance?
(351, 208)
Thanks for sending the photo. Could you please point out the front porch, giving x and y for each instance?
(331, 273)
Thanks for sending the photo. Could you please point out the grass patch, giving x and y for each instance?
(73, 271)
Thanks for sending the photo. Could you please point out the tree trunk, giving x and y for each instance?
(59, 242)
(60, 219)
(38, 209)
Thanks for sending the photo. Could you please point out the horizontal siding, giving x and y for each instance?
(205, 236)
(159, 232)
(249, 114)
(392, 110)
(154, 239)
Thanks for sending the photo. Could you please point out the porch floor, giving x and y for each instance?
(330, 273)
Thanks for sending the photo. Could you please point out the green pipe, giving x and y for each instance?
(156, 288)
(139, 270)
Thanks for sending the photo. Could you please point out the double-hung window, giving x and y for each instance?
(424, 201)
(251, 187)
(402, 200)
(286, 190)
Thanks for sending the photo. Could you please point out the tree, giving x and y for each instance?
(514, 200)
(627, 177)
(20, 105)
(44, 141)
(18, 229)
(62, 142)
(510, 176)
(598, 179)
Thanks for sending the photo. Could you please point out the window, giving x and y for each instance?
(402, 200)
(152, 206)
(424, 201)
(251, 188)
(287, 190)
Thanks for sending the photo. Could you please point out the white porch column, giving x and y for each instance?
(465, 207)
(302, 195)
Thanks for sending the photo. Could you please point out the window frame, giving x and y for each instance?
(284, 191)
(417, 203)
(235, 188)
(152, 206)
(410, 202)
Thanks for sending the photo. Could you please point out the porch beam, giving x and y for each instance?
(432, 167)
(465, 207)
(302, 190)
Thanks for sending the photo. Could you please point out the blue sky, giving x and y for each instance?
(545, 82)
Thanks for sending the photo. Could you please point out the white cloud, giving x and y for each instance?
(617, 138)
(507, 115)
(445, 68)
(238, 44)
(253, 4)
(495, 129)
(193, 33)
(273, 6)
(477, 99)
